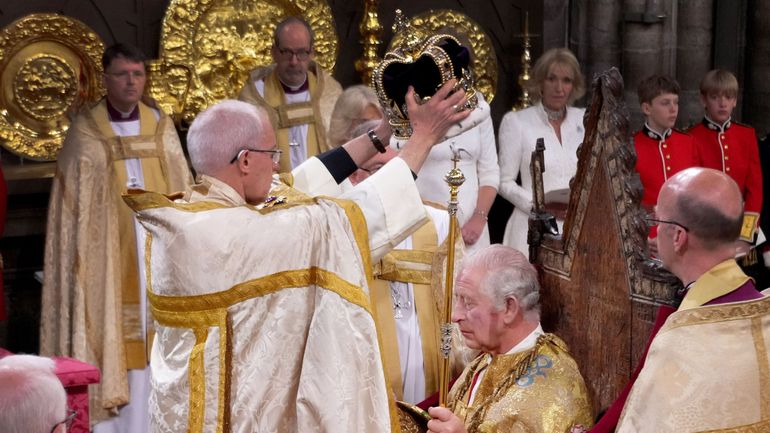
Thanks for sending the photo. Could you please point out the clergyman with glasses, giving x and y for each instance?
(32, 399)
(260, 291)
(706, 367)
(297, 94)
(92, 289)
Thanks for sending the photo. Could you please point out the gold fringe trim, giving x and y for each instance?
(718, 313)
(764, 368)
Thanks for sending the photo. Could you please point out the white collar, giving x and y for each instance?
(528, 342)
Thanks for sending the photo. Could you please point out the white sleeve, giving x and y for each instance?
(512, 147)
(487, 170)
(391, 205)
(440, 219)
(314, 179)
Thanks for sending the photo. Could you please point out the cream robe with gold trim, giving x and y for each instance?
(389, 199)
(88, 310)
(410, 266)
(708, 367)
(287, 343)
(423, 267)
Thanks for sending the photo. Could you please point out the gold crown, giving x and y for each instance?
(423, 62)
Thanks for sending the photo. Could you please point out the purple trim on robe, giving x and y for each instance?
(303, 88)
(746, 292)
(116, 116)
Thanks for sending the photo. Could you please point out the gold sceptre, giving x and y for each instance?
(454, 178)
(370, 29)
(526, 61)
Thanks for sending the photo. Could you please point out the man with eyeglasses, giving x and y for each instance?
(705, 369)
(92, 300)
(260, 290)
(32, 398)
(298, 95)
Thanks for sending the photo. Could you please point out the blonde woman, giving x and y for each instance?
(556, 83)
(356, 105)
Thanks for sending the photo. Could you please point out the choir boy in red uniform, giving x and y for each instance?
(729, 146)
(661, 150)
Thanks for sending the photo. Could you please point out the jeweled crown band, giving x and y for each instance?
(425, 63)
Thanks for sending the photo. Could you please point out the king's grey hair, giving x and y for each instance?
(506, 273)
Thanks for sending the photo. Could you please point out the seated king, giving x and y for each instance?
(525, 379)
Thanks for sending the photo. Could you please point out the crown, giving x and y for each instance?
(423, 62)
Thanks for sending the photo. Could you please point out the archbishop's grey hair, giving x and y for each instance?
(221, 131)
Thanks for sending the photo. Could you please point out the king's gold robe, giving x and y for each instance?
(90, 299)
(534, 391)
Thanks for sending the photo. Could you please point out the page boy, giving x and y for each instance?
(729, 146)
(661, 150)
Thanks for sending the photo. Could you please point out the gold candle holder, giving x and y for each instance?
(526, 64)
(370, 29)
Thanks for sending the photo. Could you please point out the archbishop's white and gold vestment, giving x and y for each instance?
(91, 292)
(408, 295)
(263, 316)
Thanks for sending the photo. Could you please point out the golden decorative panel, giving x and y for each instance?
(412, 419)
(208, 47)
(50, 65)
(469, 32)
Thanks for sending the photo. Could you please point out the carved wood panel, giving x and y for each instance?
(598, 289)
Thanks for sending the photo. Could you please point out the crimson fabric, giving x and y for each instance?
(657, 160)
(610, 419)
(76, 376)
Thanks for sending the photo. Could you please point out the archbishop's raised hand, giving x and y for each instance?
(432, 119)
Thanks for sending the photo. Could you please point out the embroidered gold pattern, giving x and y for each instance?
(718, 313)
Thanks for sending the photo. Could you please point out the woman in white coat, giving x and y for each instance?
(556, 83)
(478, 162)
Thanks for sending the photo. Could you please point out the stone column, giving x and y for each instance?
(604, 38)
(694, 56)
(555, 23)
(644, 25)
(757, 73)
(594, 35)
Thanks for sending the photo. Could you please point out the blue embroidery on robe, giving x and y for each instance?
(537, 368)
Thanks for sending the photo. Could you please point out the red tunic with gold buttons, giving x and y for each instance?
(660, 156)
(732, 148)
